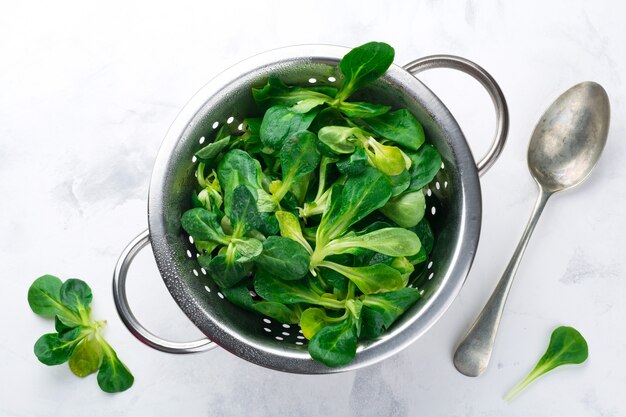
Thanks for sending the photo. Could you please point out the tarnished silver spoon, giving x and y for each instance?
(564, 148)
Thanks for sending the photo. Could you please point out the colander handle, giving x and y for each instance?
(127, 316)
(487, 81)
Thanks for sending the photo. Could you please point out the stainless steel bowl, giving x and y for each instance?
(453, 200)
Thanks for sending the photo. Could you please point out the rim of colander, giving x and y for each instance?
(299, 361)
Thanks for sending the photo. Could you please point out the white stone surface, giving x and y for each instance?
(88, 90)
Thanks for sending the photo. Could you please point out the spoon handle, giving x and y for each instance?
(472, 356)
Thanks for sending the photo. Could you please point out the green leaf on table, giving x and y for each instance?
(86, 358)
(113, 375)
(284, 258)
(78, 338)
(567, 347)
(50, 349)
(62, 327)
(76, 294)
(363, 65)
(44, 296)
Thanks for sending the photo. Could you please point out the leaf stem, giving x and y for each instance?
(536, 373)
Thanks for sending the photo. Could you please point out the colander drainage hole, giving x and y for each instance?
(433, 210)
(332, 79)
(195, 272)
(279, 338)
(230, 120)
(207, 288)
(430, 265)
(215, 125)
(240, 127)
(220, 295)
(267, 329)
(286, 326)
(428, 192)
(432, 274)
(189, 253)
(268, 321)
(201, 140)
(312, 80)
(300, 337)
(194, 159)
(285, 333)
(299, 343)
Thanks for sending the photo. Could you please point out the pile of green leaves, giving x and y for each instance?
(78, 337)
(317, 206)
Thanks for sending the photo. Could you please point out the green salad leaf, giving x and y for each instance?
(280, 123)
(567, 347)
(334, 345)
(363, 65)
(78, 338)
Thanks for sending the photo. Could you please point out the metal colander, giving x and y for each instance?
(453, 208)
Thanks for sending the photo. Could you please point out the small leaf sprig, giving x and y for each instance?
(78, 337)
(567, 347)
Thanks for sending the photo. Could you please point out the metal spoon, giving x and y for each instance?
(565, 146)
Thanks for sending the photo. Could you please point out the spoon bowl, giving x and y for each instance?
(568, 140)
(564, 147)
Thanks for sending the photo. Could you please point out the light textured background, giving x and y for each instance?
(88, 90)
